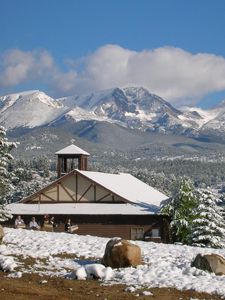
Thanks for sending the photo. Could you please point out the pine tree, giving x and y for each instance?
(4, 213)
(5, 175)
(180, 209)
(208, 227)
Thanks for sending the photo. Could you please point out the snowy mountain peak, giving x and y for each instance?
(28, 109)
(135, 92)
(132, 107)
(28, 96)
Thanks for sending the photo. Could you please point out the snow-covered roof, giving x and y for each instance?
(72, 149)
(127, 187)
(80, 209)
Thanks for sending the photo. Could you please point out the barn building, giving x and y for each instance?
(101, 204)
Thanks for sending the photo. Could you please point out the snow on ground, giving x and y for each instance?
(164, 265)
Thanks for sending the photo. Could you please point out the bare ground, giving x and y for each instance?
(31, 287)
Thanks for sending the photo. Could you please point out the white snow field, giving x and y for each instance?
(163, 265)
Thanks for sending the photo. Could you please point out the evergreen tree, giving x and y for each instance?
(4, 213)
(5, 174)
(180, 209)
(208, 227)
(29, 176)
(5, 157)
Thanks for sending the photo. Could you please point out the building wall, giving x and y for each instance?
(126, 227)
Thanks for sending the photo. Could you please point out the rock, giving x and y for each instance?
(212, 263)
(1, 234)
(121, 253)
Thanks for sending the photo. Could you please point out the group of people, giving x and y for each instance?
(19, 223)
(48, 223)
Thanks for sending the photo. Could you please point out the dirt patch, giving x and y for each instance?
(32, 286)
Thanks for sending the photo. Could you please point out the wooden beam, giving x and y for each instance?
(94, 192)
(48, 187)
(50, 198)
(67, 192)
(85, 192)
(103, 197)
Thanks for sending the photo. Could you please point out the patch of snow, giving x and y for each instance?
(79, 114)
(7, 263)
(97, 271)
(43, 281)
(15, 275)
(147, 293)
(130, 289)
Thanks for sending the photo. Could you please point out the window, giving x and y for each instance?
(155, 233)
(137, 233)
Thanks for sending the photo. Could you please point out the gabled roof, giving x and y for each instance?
(128, 187)
(72, 149)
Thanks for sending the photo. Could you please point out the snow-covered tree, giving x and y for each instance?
(5, 157)
(180, 209)
(5, 174)
(4, 213)
(208, 226)
(28, 178)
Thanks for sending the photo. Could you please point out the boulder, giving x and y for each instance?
(1, 234)
(212, 263)
(121, 253)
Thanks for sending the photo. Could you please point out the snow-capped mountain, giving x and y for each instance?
(210, 122)
(28, 109)
(131, 107)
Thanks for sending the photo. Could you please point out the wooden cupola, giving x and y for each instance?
(67, 157)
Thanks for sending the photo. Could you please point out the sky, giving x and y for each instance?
(174, 48)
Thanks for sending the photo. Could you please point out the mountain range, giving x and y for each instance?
(110, 115)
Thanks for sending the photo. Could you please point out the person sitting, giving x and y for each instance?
(69, 227)
(47, 226)
(53, 223)
(33, 224)
(19, 222)
(46, 220)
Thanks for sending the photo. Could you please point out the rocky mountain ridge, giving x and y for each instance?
(132, 107)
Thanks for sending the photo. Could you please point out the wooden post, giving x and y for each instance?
(76, 187)
(85, 163)
(59, 167)
(80, 162)
(65, 164)
(58, 191)
(39, 202)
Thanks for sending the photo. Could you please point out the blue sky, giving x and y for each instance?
(174, 48)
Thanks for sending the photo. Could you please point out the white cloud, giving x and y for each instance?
(174, 74)
(19, 67)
